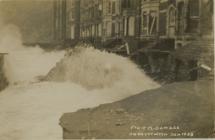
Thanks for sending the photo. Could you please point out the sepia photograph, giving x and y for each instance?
(106, 69)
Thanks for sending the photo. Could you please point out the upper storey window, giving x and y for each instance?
(193, 16)
(126, 3)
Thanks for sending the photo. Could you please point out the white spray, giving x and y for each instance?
(24, 64)
(86, 78)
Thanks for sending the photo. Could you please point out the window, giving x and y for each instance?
(180, 24)
(193, 16)
(131, 25)
(109, 7)
(72, 32)
(100, 9)
(99, 30)
(207, 17)
(172, 17)
(113, 7)
(126, 4)
(93, 29)
(162, 24)
(144, 23)
(72, 14)
(125, 26)
(109, 28)
(149, 22)
(152, 22)
(117, 28)
(113, 29)
(194, 8)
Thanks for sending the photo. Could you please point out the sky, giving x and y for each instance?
(33, 17)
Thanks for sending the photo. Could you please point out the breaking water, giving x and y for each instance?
(30, 109)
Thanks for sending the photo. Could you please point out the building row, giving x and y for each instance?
(139, 19)
(153, 29)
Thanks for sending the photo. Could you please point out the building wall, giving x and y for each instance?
(194, 37)
(112, 21)
(135, 19)
(194, 20)
(153, 29)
